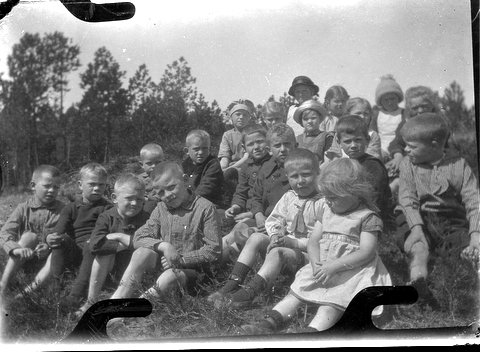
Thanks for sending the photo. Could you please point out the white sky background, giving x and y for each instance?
(254, 48)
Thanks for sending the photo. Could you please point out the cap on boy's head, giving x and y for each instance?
(309, 105)
(93, 168)
(388, 85)
(251, 129)
(302, 80)
(281, 130)
(41, 169)
(426, 128)
(151, 148)
(351, 124)
(129, 179)
(302, 155)
(167, 167)
(274, 108)
(204, 136)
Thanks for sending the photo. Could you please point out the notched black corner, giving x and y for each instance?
(7, 6)
(88, 11)
(93, 324)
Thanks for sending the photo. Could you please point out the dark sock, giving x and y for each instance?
(275, 318)
(253, 288)
(239, 272)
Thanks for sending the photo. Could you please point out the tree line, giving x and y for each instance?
(110, 120)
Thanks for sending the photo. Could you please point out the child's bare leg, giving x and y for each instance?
(142, 259)
(167, 281)
(27, 240)
(325, 318)
(42, 276)
(418, 261)
(277, 259)
(256, 243)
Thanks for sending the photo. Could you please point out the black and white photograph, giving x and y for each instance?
(254, 174)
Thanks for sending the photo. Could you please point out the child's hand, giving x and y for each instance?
(165, 264)
(42, 250)
(325, 271)
(234, 209)
(276, 241)
(243, 216)
(112, 236)
(260, 220)
(394, 165)
(472, 251)
(171, 255)
(54, 240)
(23, 253)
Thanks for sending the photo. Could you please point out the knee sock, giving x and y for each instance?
(275, 319)
(236, 278)
(254, 287)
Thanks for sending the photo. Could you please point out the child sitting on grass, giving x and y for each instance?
(254, 139)
(440, 201)
(288, 227)
(23, 236)
(77, 220)
(150, 155)
(335, 100)
(181, 240)
(273, 112)
(353, 137)
(112, 239)
(203, 170)
(342, 252)
(231, 153)
(310, 114)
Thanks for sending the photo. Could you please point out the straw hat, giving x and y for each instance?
(309, 105)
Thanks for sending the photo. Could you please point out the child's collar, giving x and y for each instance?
(312, 133)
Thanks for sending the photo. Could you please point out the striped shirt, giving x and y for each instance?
(191, 228)
(448, 188)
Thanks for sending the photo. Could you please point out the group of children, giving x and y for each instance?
(308, 191)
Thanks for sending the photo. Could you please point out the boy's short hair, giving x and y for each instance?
(335, 92)
(251, 129)
(426, 127)
(280, 130)
(129, 179)
(425, 93)
(302, 154)
(152, 148)
(164, 167)
(351, 124)
(93, 168)
(274, 108)
(353, 102)
(201, 134)
(52, 170)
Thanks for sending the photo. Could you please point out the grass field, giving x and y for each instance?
(37, 318)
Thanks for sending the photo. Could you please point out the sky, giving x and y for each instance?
(254, 48)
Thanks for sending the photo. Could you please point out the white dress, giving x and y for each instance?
(341, 236)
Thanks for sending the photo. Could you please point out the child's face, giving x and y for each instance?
(311, 120)
(240, 119)
(420, 152)
(353, 145)
(46, 188)
(389, 102)
(129, 200)
(256, 145)
(363, 112)
(273, 119)
(198, 150)
(281, 146)
(150, 160)
(420, 105)
(336, 106)
(302, 177)
(171, 189)
(302, 93)
(343, 204)
(92, 186)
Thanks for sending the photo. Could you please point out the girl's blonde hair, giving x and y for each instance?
(347, 177)
(335, 91)
(358, 101)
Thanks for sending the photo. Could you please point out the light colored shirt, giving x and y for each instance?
(387, 124)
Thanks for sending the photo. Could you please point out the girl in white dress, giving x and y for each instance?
(342, 251)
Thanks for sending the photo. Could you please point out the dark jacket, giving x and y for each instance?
(206, 179)
(271, 185)
(246, 181)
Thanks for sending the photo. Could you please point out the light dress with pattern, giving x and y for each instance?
(340, 237)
